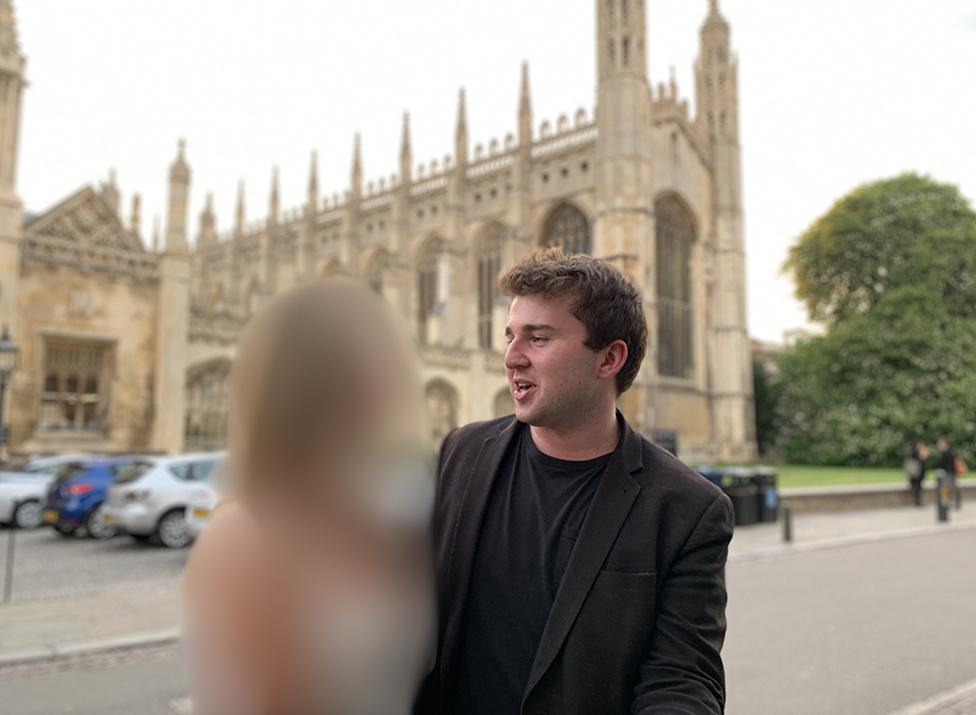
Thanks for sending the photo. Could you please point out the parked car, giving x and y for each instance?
(199, 508)
(148, 500)
(22, 492)
(75, 499)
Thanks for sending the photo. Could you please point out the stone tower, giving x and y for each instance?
(12, 82)
(624, 234)
(716, 74)
(173, 315)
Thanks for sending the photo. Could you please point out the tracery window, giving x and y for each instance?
(489, 266)
(207, 400)
(442, 410)
(568, 229)
(428, 282)
(74, 396)
(376, 271)
(675, 239)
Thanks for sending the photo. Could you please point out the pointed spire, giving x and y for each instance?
(312, 202)
(239, 213)
(405, 147)
(179, 194)
(714, 15)
(208, 223)
(274, 203)
(525, 109)
(155, 235)
(110, 191)
(357, 166)
(461, 133)
(462, 114)
(9, 39)
(406, 152)
(136, 218)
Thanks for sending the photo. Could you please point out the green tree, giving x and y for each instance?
(904, 231)
(890, 270)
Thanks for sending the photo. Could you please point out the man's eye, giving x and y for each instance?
(539, 339)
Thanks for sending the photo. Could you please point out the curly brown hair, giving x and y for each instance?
(608, 305)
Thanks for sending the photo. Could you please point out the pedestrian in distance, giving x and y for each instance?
(950, 466)
(580, 566)
(310, 590)
(915, 468)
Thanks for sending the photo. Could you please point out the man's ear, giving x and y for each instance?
(614, 357)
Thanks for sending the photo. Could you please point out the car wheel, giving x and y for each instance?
(171, 531)
(64, 531)
(29, 515)
(96, 527)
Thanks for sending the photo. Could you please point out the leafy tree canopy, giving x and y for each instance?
(905, 231)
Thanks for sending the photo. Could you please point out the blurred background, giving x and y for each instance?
(790, 184)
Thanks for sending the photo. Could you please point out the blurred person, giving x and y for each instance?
(951, 466)
(309, 591)
(580, 567)
(915, 468)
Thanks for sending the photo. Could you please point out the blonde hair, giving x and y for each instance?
(316, 370)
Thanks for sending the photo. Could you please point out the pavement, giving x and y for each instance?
(43, 631)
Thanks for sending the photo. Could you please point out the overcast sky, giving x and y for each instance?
(834, 93)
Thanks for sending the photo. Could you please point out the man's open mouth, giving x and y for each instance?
(522, 389)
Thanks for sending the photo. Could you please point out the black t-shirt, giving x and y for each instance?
(533, 517)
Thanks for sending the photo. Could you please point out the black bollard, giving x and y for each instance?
(787, 523)
(941, 497)
(8, 577)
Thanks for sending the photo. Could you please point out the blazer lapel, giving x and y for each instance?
(614, 497)
(464, 537)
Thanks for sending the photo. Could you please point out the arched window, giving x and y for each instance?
(489, 266)
(442, 410)
(675, 238)
(503, 403)
(568, 229)
(376, 270)
(428, 282)
(207, 402)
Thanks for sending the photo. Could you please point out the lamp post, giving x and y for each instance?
(9, 354)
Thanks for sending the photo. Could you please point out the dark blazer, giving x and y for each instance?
(639, 618)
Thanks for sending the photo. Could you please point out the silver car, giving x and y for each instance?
(22, 492)
(148, 500)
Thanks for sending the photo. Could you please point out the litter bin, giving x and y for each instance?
(740, 486)
(768, 496)
(712, 474)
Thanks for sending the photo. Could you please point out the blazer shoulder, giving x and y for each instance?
(663, 471)
(477, 432)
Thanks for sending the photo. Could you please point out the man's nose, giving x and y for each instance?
(515, 357)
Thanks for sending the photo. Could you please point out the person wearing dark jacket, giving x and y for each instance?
(947, 464)
(580, 566)
(915, 468)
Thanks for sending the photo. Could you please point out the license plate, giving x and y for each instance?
(50, 516)
(201, 513)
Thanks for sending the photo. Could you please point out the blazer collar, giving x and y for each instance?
(464, 536)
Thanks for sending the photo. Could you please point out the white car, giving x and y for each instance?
(199, 509)
(22, 492)
(149, 499)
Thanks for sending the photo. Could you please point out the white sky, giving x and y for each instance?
(833, 93)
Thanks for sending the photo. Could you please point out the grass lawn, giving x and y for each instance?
(794, 475)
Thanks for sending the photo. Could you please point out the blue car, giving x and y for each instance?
(74, 500)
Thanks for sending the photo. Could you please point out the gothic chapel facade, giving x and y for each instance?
(125, 348)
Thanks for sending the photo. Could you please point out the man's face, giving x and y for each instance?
(553, 376)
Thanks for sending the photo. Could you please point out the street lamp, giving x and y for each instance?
(9, 355)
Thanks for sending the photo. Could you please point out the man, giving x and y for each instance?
(948, 465)
(581, 568)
